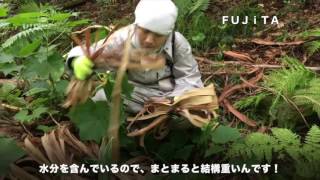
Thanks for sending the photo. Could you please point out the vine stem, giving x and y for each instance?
(114, 124)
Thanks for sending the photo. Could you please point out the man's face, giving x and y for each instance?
(149, 40)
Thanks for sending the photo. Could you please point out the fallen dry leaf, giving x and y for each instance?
(238, 114)
(271, 43)
(238, 55)
(230, 90)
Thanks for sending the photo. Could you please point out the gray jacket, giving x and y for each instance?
(180, 74)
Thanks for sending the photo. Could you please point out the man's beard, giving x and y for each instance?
(152, 50)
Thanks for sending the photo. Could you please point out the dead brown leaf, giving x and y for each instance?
(238, 56)
(238, 114)
(272, 43)
(230, 90)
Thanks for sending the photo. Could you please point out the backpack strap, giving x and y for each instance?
(173, 44)
(168, 61)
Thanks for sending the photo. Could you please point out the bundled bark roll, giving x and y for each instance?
(197, 105)
(79, 91)
(60, 146)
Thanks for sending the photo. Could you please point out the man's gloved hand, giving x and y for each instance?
(82, 67)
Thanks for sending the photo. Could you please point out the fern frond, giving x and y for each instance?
(200, 5)
(287, 141)
(309, 97)
(31, 6)
(4, 24)
(285, 113)
(310, 152)
(257, 146)
(31, 31)
(314, 32)
(260, 145)
(313, 138)
(236, 150)
(183, 7)
(286, 145)
(313, 47)
(286, 81)
(309, 100)
(251, 101)
(29, 26)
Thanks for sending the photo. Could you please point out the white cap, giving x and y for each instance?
(158, 16)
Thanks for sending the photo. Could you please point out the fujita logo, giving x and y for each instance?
(247, 19)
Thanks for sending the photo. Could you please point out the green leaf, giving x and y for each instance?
(61, 86)
(9, 153)
(259, 146)
(28, 49)
(38, 102)
(200, 5)
(6, 58)
(60, 16)
(199, 37)
(251, 101)
(26, 18)
(310, 33)
(40, 84)
(6, 88)
(38, 111)
(53, 65)
(23, 116)
(35, 32)
(34, 91)
(166, 151)
(9, 93)
(313, 47)
(8, 68)
(3, 10)
(179, 139)
(214, 149)
(127, 88)
(102, 33)
(16, 101)
(184, 153)
(78, 23)
(42, 54)
(14, 47)
(224, 134)
(108, 88)
(31, 6)
(91, 119)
